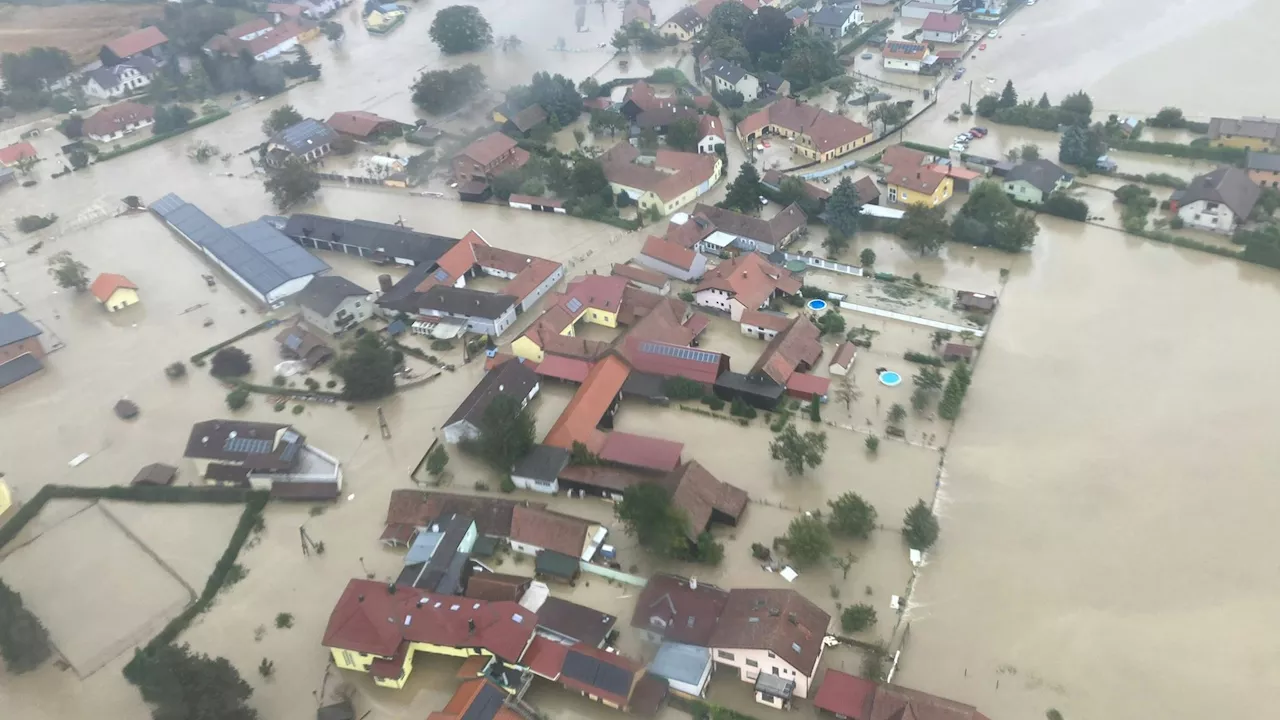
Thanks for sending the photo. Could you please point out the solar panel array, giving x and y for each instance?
(683, 353)
(239, 444)
(575, 305)
(441, 275)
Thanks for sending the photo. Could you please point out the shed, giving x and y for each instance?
(538, 470)
(686, 668)
(337, 711)
(842, 361)
(155, 474)
(956, 351)
(774, 691)
(556, 566)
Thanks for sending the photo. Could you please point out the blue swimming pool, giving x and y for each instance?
(816, 304)
(890, 378)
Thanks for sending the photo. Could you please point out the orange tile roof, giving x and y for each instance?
(672, 174)
(751, 279)
(921, 180)
(107, 283)
(793, 350)
(488, 148)
(901, 158)
(668, 252)
(826, 130)
(15, 152)
(579, 420)
(137, 41)
(550, 530)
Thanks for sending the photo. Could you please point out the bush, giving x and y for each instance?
(441, 345)
(713, 402)
(857, 618)
(311, 383)
(1064, 206)
(678, 388)
(759, 551)
(231, 362)
(507, 485)
(32, 223)
(297, 409)
(237, 398)
(284, 620)
(922, 358)
(175, 370)
(873, 444)
(740, 408)
(1233, 156)
(1177, 223)
(278, 381)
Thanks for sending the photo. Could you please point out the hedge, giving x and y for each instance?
(1231, 155)
(922, 358)
(701, 710)
(288, 392)
(164, 136)
(198, 357)
(931, 149)
(860, 40)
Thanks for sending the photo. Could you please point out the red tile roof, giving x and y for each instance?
(15, 152)
(285, 9)
(641, 451)
(784, 620)
(668, 252)
(545, 657)
(356, 122)
(639, 275)
(480, 693)
(606, 477)
(665, 360)
(699, 493)
(549, 530)
(671, 175)
(113, 118)
(921, 180)
(601, 292)
(766, 320)
(408, 509)
(905, 50)
(844, 355)
(807, 386)
(573, 347)
(679, 613)
(488, 148)
(710, 125)
(704, 7)
(751, 279)
(564, 368)
(370, 618)
(108, 283)
(943, 22)
(793, 350)
(957, 350)
(902, 158)
(588, 406)
(892, 702)
(826, 130)
(845, 694)
(137, 41)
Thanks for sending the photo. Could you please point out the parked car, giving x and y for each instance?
(866, 56)
(959, 148)
(993, 34)
(959, 74)
(978, 132)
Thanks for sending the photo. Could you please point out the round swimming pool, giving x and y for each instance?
(890, 378)
(816, 304)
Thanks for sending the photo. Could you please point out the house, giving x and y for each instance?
(1219, 200)
(799, 16)
(773, 632)
(748, 233)
(638, 11)
(955, 351)
(438, 560)
(486, 158)
(13, 154)
(792, 352)
(1033, 181)
(264, 261)
(671, 259)
(260, 39)
(963, 179)
(525, 121)
(478, 311)
(815, 133)
(762, 324)
(114, 292)
(686, 668)
(922, 10)
(673, 179)
(705, 498)
(683, 25)
(263, 456)
(410, 510)
(868, 191)
(920, 186)
(495, 587)
(302, 341)
(375, 241)
(901, 158)
(115, 121)
(596, 299)
(647, 280)
(747, 282)
(570, 623)
(842, 361)
(534, 530)
(1249, 133)
(680, 610)
(306, 142)
(660, 120)
(112, 81)
(710, 133)
(771, 83)
(513, 379)
(477, 699)
(540, 469)
(283, 11)
(944, 27)
(147, 41)
(724, 76)
(334, 303)
(773, 178)
(377, 629)
(849, 697)
(1263, 168)
(605, 677)
(21, 354)
(362, 125)
(904, 56)
(593, 405)
(833, 21)
(975, 302)
(663, 360)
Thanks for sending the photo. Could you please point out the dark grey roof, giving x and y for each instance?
(16, 328)
(486, 704)
(543, 462)
(7, 175)
(1262, 161)
(391, 240)
(404, 294)
(465, 302)
(771, 80)
(596, 673)
(442, 572)
(304, 137)
(108, 77)
(576, 622)
(1041, 174)
(680, 662)
(551, 562)
(1228, 185)
(727, 71)
(325, 293)
(775, 685)
(1254, 127)
(261, 256)
(512, 378)
(797, 12)
(18, 368)
(831, 15)
(663, 117)
(338, 711)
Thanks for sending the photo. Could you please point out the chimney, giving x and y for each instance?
(471, 626)
(391, 588)
(359, 598)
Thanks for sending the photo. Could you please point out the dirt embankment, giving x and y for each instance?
(79, 29)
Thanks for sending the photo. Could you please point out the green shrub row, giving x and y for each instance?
(1162, 179)
(861, 39)
(1235, 156)
(288, 392)
(200, 356)
(922, 358)
(163, 136)
(701, 710)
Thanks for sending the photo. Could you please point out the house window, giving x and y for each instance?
(752, 663)
(893, 194)
(724, 655)
(346, 658)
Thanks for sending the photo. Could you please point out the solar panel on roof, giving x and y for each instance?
(256, 446)
(293, 342)
(683, 353)
(441, 275)
(575, 305)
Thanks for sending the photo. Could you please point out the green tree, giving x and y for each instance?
(658, 525)
(682, 134)
(34, 69)
(891, 114)
(610, 121)
(24, 641)
(744, 192)
(867, 257)
(589, 87)
(230, 362)
(72, 126)
(507, 433)
(809, 60)
(842, 210)
(368, 371)
(872, 444)
(920, 527)
(181, 684)
(333, 31)
(953, 394)
(798, 451)
(444, 91)
(555, 93)
(291, 184)
(1030, 152)
(851, 516)
(169, 118)
(238, 398)
(765, 34)
(67, 272)
(896, 415)
(857, 618)
(987, 106)
(303, 66)
(437, 459)
(808, 541)
(1079, 103)
(1168, 117)
(1044, 103)
(923, 228)
(707, 550)
(461, 29)
(815, 409)
(997, 221)
(282, 117)
(1081, 146)
(1009, 96)
(831, 323)
(587, 178)
(928, 378)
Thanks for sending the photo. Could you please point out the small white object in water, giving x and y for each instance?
(916, 557)
(77, 460)
(789, 574)
(895, 602)
(351, 497)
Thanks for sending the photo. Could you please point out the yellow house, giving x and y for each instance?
(674, 180)
(815, 133)
(683, 25)
(377, 628)
(595, 299)
(1250, 133)
(6, 498)
(918, 186)
(114, 292)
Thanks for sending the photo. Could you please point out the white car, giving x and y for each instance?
(959, 148)
(993, 34)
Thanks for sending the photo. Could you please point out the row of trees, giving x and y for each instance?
(810, 539)
(987, 219)
(767, 41)
(1075, 109)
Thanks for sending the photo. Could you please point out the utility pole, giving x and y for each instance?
(970, 103)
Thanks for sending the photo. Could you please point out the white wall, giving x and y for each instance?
(748, 673)
(292, 287)
(525, 483)
(699, 267)
(904, 65)
(1198, 215)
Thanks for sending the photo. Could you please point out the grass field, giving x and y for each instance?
(79, 29)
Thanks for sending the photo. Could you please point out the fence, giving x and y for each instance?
(612, 574)
(820, 263)
(936, 324)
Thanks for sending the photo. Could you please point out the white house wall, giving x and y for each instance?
(693, 273)
(289, 288)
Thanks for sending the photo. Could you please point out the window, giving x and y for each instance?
(752, 663)
(771, 655)
(724, 655)
(346, 658)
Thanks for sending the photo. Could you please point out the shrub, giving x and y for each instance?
(740, 408)
(297, 409)
(230, 362)
(873, 444)
(312, 383)
(759, 551)
(678, 388)
(284, 620)
(1065, 206)
(857, 618)
(331, 384)
(482, 486)
(508, 485)
(713, 402)
(441, 345)
(237, 398)
(175, 370)
(32, 223)
(922, 358)
(278, 381)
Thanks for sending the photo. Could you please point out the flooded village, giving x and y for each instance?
(761, 358)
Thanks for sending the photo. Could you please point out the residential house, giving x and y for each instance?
(377, 628)
(724, 76)
(671, 259)
(944, 27)
(1249, 133)
(114, 292)
(334, 303)
(661, 119)
(704, 498)
(963, 179)
(526, 121)
(570, 623)
(1219, 200)
(596, 299)
(21, 354)
(789, 357)
(115, 121)
(438, 560)
(112, 81)
(645, 279)
(408, 511)
(362, 125)
(477, 699)
(478, 311)
(755, 5)
(302, 341)
(305, 142)
(920, 186)
(833, 21)
(773, 180)
(747, 282)
(539, 470)
(922, 10)
(513, 379)
(486, 158)
(815, 133)
(260, 39)
(534, 530)
(771, 83)
(1264, 168)
(686, 668)
(704, 7)
(904, 56)
(762, 324)
(1033, 181)
(495, 587)
(673, 609)
(967, 301)
(683, 25)
(771, 632)
(842, 361)
(605, 677)
(849, 697)
(901, 158)
(799, 16)
(638, 11)
(747, 233)
(671, 180)
(11, 155)
(592, 407)
(711, 133)
(147, 41)
(263, 456)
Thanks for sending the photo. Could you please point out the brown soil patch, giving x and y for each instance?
(79, 29)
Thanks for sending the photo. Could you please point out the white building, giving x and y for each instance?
(1218, 200)
(115, 81)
